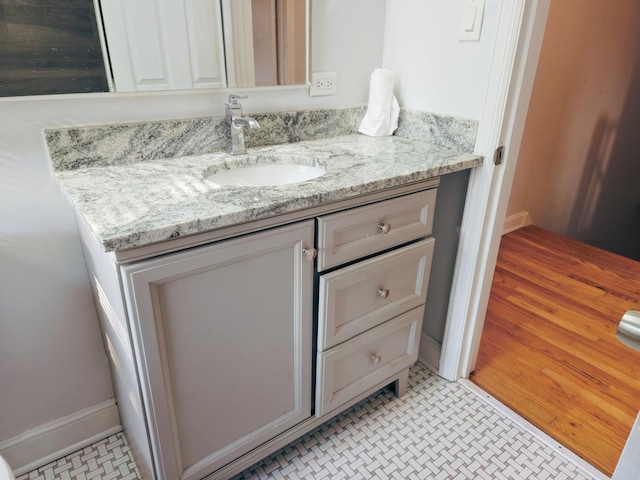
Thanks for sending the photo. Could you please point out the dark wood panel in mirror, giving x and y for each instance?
(48, 47)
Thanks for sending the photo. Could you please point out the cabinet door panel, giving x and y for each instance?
(226, 329)
(164, 44)
(207, 71)
(133, 30)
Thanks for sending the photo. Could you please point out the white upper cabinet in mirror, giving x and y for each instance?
(182, 45)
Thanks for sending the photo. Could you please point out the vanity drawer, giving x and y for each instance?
(363, 362)
(361, 231)
(359, 297)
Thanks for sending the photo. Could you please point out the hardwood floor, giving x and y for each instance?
(549, 349)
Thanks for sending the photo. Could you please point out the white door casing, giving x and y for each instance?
(516, 52)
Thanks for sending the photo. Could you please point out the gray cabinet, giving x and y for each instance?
(226, 334)
(212, 345)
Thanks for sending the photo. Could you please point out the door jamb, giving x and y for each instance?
(515, 58)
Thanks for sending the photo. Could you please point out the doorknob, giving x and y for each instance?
(629, 329)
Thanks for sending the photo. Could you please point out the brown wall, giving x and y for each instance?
(579, 167)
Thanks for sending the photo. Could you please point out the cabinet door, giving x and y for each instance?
(164, 44)
(223, 339)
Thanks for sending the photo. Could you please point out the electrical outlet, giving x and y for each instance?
(324, 83)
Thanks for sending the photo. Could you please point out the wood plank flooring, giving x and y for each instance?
(50, 47)
(548, 348)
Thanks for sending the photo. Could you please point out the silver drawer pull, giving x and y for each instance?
(376, 359)
(383, 292)
(310, 253)
(384, 228)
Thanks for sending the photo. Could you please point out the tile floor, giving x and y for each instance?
(108, 459)
(438, 430)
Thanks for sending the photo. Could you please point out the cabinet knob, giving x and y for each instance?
(310, 253)
(377, 359)
(384, 228)
(383, 292)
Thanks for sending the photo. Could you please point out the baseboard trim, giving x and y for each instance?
(516, 221)
(56, 439)
(429, 352)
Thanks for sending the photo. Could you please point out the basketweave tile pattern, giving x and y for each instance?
(437, 430)
(108, 459)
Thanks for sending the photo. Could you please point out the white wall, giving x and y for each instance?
(52, 362)
(577, 173)
(434, 71)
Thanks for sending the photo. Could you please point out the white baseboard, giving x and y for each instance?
(54, 440)
(429, 352)
(516, 221)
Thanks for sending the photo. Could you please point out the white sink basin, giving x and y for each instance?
(266, 175)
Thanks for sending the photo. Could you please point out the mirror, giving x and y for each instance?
(266, 43)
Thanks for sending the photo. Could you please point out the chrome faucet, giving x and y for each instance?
(238, 123)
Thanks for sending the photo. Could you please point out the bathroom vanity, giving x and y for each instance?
(239, 318)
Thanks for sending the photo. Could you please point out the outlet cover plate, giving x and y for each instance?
(323, 83)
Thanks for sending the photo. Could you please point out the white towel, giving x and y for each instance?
(382, 110)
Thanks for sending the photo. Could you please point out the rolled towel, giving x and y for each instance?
(383, 110)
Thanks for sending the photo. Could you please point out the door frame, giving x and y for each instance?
(517, 47)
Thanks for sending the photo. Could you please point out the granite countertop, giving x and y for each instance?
(129, 206)
(142, 183)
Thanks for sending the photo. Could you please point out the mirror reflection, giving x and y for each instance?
(151, 45)
(50, 47)
(266, 42)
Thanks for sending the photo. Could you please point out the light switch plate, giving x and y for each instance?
(471, 20)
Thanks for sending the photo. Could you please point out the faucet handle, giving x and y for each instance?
(233, 99)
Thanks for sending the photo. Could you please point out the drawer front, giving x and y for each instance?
(355, 233)
(366, 294)
(361, 363)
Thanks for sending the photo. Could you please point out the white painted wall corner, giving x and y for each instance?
(429, 352)
(51, 441)
(516, 221)
(628, 466)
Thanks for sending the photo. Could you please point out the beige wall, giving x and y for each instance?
(579, 165)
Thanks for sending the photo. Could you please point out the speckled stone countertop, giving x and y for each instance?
(130, 205)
